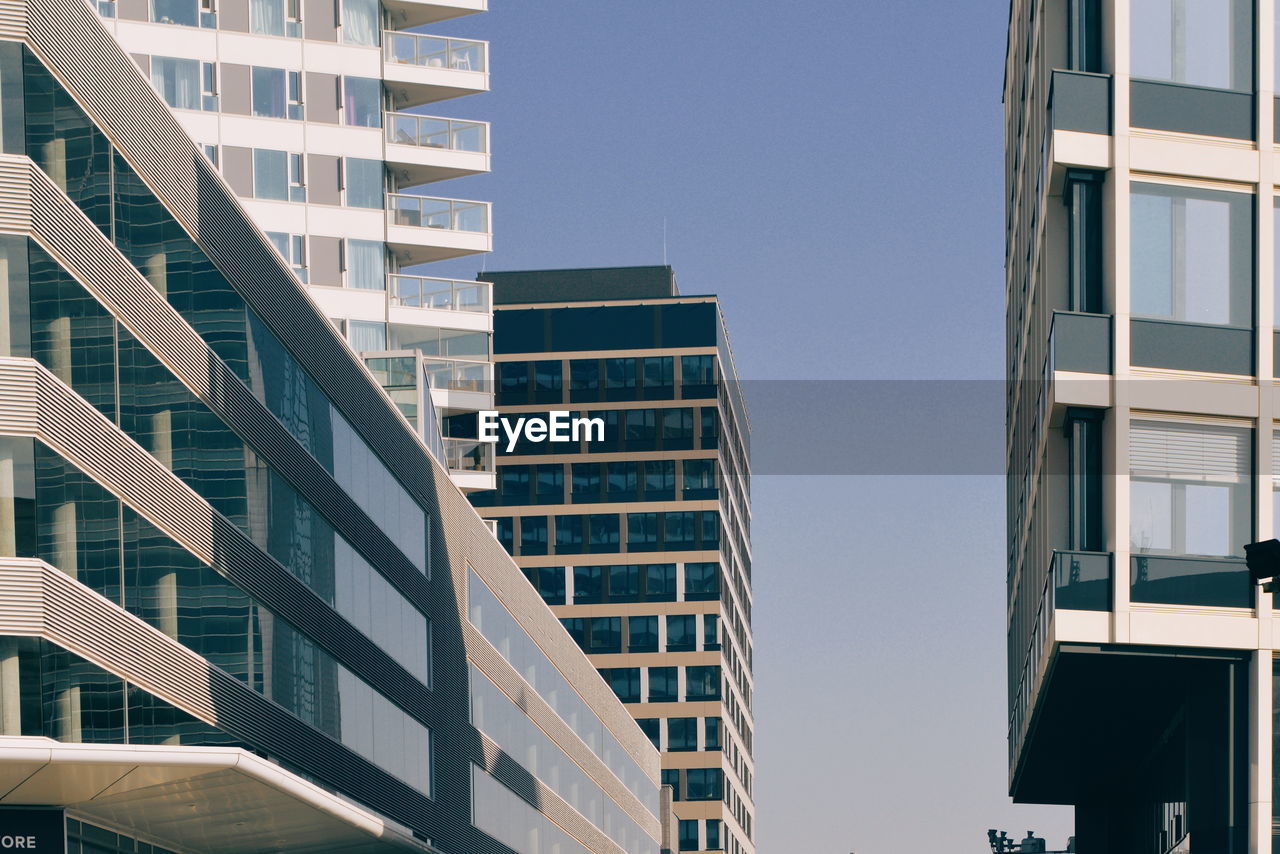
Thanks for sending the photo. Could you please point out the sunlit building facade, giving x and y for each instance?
(1143, 423)
(639, 539)
(241, 607)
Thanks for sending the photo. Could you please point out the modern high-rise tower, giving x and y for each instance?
(322, 116)
(241, 608)
(640, 539)
(1142, 175)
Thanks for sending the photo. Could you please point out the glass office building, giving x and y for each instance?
(1143, 350)
(639, 538)
(241, 607)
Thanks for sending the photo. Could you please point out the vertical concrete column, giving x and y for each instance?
(1261, 760)
(68, 706)
(1261, 764)
(1116, 261)
(59, 353)
(8, 502)
(10, 688)
(65, 539)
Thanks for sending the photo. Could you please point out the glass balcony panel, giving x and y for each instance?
(447, 294)
(435, 51)
(1082, 581)
(457, 375)
(435, 132)
(1175, 580)
(469, 455)
(446, 214)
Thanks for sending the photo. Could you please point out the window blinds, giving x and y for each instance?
(1188, 451)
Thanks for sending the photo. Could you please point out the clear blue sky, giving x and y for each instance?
(833, 171)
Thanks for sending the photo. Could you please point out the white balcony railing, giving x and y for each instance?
(447, 294)
(435, 51)
(435, 132)
(430, 212)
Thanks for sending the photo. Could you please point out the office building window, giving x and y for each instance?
(363, 181)
(211, 152)
(1201, 43)
(682, 734)
(682, 635)
(625, 682)
(642, 634)
(689, 835)
(712, 736)
(361, 23)
(297, 179)
(663, 684)
(701, 582)
(652, 729)
(1189, 489)
(710, 632)
(366, 264)
(713, 834)
(549, 581)
(533, 535)
(703, 784)
(702, 682)
(1191, 256)
(362, 101)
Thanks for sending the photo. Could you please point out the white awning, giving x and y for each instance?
(208, 799)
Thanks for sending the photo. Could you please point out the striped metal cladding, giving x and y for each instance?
(63, 231)
(38, 600)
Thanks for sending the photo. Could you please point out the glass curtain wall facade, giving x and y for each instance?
(639, 540)
(323, 117)
(1142, 355)
(217, 532)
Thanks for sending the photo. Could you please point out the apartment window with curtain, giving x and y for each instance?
(366, 264)
(360, 22)
(362, 102)
(276, 17)
(1191, 510)
(179, 81)
(1191, 255)
(369, 336)
(1195, 42)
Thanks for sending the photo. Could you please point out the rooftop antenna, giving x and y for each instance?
(664, 241)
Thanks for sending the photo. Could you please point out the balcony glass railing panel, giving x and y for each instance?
(447, 294)
(469, 455)
(446, 214)
(434, 132)
(435, 51)
(1082, 581)
(1205, 581)
(458, 375)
